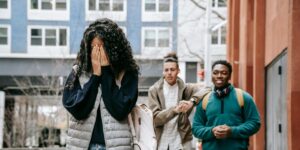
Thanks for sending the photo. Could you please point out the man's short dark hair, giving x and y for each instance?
(223, 62)
(171, 57)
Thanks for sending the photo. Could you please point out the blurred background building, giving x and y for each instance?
(39, 40)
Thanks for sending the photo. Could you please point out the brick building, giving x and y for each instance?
(263, 46)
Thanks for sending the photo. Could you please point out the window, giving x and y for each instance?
(36, 36)
(164, 5)
(223, 35)
(219, 3)
(157, 38)
(48, 4)
(118, 5)
(191, 72)
(48, 37)
(150, 5)
(5, 9)
(156, 41)
(47, 40)
(48, 9)
(163, 38)
(157, 10)
(5, 38)
(3, 4)
(61, 5)
(114, 9)
(214, 37)
(106, 5)
(157, 5)
(218, 37)
(62, 37)
(150, 38)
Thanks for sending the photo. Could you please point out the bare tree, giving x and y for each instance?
(213, 11)
(35, 117)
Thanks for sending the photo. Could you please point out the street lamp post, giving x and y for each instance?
(207, 55)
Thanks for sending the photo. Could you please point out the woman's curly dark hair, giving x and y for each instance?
(116, 46)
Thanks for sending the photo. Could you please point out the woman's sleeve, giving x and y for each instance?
(80, 101)
(119, 101)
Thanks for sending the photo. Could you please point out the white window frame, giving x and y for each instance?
(219, 36)
(41, 14)
(156, 51)
(48, 50)
(157, 15)
(5, 13)
(91, 15)
(6, 48)
(217, 4)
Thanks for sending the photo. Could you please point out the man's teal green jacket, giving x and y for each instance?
(243, 121)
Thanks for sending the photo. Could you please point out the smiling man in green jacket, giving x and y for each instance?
(221, 121)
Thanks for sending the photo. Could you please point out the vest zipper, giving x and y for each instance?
(222, 105)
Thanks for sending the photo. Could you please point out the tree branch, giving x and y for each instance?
(191, 52)
(213, 11)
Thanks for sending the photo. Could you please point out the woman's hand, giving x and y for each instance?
(96, 59)
(104, 58)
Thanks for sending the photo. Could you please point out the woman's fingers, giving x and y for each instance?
(104, 58)
(95, 56)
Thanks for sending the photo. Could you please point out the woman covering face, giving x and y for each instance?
(101, 90)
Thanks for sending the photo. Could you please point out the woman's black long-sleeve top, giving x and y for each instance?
(118, 101)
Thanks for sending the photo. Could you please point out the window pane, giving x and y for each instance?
(3, 36)
(3, 4)
(118, 5)
(3, 40)
(3, 32)
(164, 5)
(150, 5)
(191, 72)
(36, 41)
(214, 37)
(34, 4)
(150, 38)
(223, 35)
(163, 38)
(61, 5)
(104, 5)
(221, 3)
(36, 37)
(50, 32)
(47, 4)
(213, 3)
(62, 37)
(36, 32)
(92, 4)
(50, 37)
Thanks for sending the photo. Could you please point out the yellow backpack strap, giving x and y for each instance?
(205, 101)
(240, 98)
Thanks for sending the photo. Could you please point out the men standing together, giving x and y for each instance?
(225, 117)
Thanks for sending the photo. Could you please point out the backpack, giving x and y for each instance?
(141, 125)
(239, 94)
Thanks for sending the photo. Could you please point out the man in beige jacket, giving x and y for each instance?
(171, 101)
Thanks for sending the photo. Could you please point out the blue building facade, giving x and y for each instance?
(52, 29)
